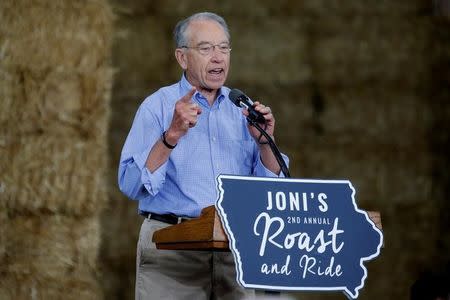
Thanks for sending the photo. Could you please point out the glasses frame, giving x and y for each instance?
(211, 48)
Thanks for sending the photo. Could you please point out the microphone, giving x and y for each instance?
(241, 100)
(254, 117)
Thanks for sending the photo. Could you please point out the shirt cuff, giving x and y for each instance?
(262, 171)
(151, 181)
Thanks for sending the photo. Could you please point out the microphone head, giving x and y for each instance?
(241, 100)
(236, 96)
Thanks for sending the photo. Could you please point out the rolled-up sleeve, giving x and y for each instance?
(134, 179)
(261, 171)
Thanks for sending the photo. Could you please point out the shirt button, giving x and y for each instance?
(213, 139)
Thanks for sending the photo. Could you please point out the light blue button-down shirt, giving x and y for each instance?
(186, 183)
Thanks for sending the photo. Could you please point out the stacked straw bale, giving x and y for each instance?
(3, 221)
(55, 79)
(51, 257)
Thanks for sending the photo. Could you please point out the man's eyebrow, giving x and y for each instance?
(210, 43)
(204, 43)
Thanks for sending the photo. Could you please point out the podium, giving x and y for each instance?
(202, 233)
(206, 233)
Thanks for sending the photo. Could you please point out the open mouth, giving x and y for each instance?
(216, 71)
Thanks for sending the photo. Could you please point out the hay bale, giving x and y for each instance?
(56, 102)
(118, 252)
(55, 84)
(53, 130)
(67, 286)
(363, 50)
(379, 114)
(285, 51)
(46, 34)
(380, 173)
(3, 221)
(10, 92)
(94, 114)
(355, 7)
(53, 174)
(264, 8)
(142, 48)
(50, 257)
(51, 245)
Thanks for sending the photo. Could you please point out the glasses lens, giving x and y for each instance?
(224, 48)
(205, 49)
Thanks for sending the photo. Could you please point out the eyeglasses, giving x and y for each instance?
(206, 49)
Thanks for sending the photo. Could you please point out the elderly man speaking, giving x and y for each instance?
(183, 136)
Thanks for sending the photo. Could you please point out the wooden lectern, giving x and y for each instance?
(206, 233)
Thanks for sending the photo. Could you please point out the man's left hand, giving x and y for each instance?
(269, 126)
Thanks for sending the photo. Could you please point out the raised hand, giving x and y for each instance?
(270, 122)
(184, 117)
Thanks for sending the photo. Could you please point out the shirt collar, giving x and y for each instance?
(185, 87)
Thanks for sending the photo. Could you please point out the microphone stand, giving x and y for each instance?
(276, 152)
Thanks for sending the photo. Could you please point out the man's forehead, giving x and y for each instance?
(200, 31)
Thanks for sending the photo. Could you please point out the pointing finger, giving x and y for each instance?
(187, 98)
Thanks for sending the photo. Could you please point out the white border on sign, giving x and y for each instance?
(237, 256)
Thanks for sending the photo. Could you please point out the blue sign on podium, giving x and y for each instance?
(297, 234)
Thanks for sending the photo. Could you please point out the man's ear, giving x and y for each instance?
(180, 55)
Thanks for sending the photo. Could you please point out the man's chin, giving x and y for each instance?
(215, 85)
